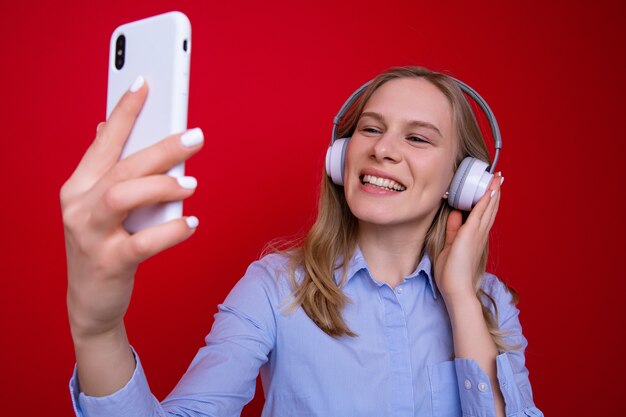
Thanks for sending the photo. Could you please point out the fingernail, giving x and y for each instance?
(99, 126)
(136, 85)
(192, 222)
(192, 137)
(492, 193)
(501, 181)
(499, 173)
(189, 183)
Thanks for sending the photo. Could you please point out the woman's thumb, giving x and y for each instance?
(455, 220)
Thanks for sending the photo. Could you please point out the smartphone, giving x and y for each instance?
(159, 49)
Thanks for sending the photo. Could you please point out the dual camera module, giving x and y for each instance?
(120, 50)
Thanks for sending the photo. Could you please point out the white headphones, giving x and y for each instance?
(471, 179)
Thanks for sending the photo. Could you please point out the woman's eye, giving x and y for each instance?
(371, 130)
(415, 138)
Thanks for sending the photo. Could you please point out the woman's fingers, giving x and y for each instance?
(125, 196)
(158, 158)
(115, 131)
(105, 150)
(492, 208)
(477, 213)
(479, 209)
(454, 223)
(153, 240)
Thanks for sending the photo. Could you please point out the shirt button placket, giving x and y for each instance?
(400, 372)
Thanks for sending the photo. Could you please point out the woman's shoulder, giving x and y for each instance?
(269, 274)
(502, 300)
(498, 292)
(491, 284)
(277, 265)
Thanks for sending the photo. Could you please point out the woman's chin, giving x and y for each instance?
(377, 218)
(375, 215)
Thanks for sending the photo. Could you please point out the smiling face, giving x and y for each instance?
(400, 159)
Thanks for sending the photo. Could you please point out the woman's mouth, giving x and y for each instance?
(382, 183)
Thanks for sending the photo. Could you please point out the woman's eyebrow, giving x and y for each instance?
(419, 123)
(413, 123)
(376, 116)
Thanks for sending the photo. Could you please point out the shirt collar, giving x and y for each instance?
(357, 262)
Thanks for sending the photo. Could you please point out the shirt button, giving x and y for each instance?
(400, 290)
(468, 384)
(482, 387)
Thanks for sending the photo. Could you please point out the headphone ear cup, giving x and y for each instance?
(469, 184)
(336, 160)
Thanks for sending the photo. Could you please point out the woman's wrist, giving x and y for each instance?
(105, 362)
(85, 328)
(461, 290)
(460, 304)
(104, 340)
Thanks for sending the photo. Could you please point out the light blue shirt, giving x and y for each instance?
(401, 364)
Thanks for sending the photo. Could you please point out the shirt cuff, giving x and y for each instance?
(474, 389)
(134, 399)
(517, 404)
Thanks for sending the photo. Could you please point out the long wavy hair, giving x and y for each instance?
(332, 240)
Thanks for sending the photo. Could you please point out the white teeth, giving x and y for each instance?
(383, 183)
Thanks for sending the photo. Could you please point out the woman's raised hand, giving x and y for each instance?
(458, 263)
(102, 256)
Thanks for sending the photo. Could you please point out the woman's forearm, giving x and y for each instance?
(472, 340)
(105, 362)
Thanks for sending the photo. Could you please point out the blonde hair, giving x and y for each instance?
(332, 240)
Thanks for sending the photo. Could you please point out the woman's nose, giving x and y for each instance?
(386, 148)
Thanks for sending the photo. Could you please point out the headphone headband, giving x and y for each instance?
(495, 129)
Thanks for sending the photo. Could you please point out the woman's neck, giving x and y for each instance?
(391, 252)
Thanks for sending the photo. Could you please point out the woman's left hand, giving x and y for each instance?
(457, 264)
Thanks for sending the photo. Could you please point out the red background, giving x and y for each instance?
(266, 80)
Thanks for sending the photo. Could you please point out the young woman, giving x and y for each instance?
(385, 309)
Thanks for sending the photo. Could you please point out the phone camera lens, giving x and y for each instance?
(120, 51)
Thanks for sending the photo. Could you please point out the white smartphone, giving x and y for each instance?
(159, 49)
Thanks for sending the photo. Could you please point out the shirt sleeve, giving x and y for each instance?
(134, 399)
(222, 377)
(475, 389)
